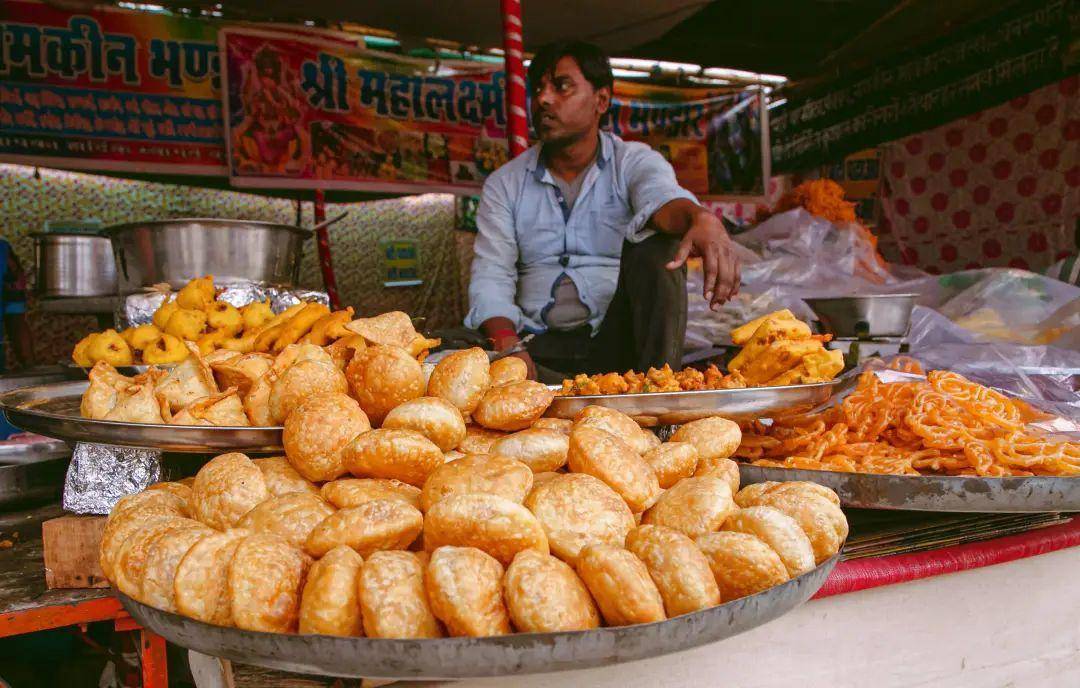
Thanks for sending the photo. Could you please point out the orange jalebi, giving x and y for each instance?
(945, 425)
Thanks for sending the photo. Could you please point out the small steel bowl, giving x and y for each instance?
(881, 315)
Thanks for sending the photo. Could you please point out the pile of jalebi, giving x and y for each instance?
(945, 425)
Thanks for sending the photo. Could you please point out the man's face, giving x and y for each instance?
(565, 106)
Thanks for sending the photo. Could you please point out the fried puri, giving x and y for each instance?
(576, 510)
(382, 378)
(434, 418)
(617, 423)
(562, 425)
(162, 562)
(693, 506)
(265, 578)
(461, 378)
(131, 556)
(349, 492)
(780, 532)
(620, 584)
(291, 517)
(545, 595)
(393, 601)
(721, 468)
(539, 449)
(513, 406)
(823, 522)
(679, 569)
(131, 513)
(494, 524)
(225, 489)
(751, 494)
(479, 440)
(672, 462)
(181, 490)
(602, 455)
(741, 563)
(464, 588)
(479, 473)
(303, 379)
(201, 585)
(714, 438)
(376, 525)
(403, 455)
(330, 603)
(281, 478)
(318, 430)
(508, 369)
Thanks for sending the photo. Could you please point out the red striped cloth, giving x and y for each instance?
(862, 574)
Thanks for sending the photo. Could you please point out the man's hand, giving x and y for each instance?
(500, 331)
(706, 238)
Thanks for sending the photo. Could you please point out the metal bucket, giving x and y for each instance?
(883, 315)
(233, 251)
(74, 265)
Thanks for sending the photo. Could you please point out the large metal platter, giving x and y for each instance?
(445, 658)
(53, 410)
(675, 408)
(933, 493)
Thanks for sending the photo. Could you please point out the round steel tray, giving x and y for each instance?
(676, 408)
(933, 493)
(445, 658)
(53, 410)
(73, 371)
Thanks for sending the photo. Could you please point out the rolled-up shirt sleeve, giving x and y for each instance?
(651, 183)
(493, 285)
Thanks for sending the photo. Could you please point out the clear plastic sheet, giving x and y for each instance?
(138, 309)
(99, 475)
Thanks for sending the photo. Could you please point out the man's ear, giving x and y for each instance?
(603, 100)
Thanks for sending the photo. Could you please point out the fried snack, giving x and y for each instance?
(187, 381)
(137, 404)
(822, 521)
(693, 506)
(620, 584)
(241, 371)
(382, 378)
(222, 410)
(741, 563)
(201, 584)
(479, 440)
(225, 489)
(265, 577)
(110, 347)
(79, 354)
(393, 329)
(558, 424)
(393, 601)
(376, 525)
(741, 335)
(539, 449)
(603, 455)
(403, 455)
(291, 516)
(164, 351)
(751, 495)
(350, 492)
(714, 438)
(513, 406)
(770, 332)
(317, 432)
(256, 314)
(508, 369)
(576, 510)
(305, 378)
(129, 513)
(721, 468)
(179, 489)
(142, 336)
(186, 324)
(679, 569)
(100, 395)
(132, 553)
(343, 350)
(224, 317)
(462, 378)
(164, 312)
(780, 532)
(330, 602)
(545, 595)
(328, 328)
(494, 524)
(162, 561)
(297, 326)
(464, 587)
(209, 342)
(197, 294)
(281, 478)
(478, 473)
(617, 423)
(453, 455)
(672, 462)
(434, 418)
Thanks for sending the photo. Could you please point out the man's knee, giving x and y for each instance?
(655, 252)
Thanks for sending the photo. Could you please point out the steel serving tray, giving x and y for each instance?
(446, 658)
(675, 408)
(53, 410)
(933, 493)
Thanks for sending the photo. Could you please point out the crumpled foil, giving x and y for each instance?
(138, 309)
(100, 474)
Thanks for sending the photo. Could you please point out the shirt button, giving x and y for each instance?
(564, 260)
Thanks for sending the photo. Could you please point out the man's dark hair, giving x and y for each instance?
(591, 60)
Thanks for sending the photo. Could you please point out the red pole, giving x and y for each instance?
(517, 119)
(322, 241)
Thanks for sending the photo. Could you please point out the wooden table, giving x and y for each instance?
(26, 606)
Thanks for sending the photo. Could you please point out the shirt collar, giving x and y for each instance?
(539, 170)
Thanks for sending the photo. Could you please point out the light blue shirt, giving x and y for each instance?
(528, 236)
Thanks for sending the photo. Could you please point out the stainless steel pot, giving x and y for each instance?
(71, 265)
(880, 315)
(176, 251)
